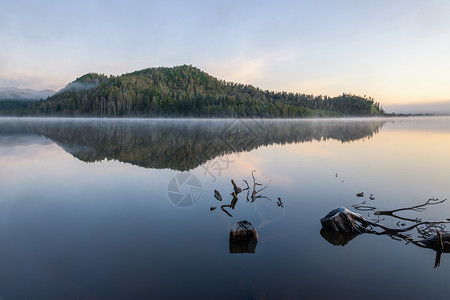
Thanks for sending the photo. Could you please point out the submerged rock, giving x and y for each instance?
(337, 238)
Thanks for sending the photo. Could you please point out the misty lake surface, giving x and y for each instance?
(120, 209)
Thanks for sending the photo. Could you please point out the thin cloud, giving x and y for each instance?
(245, 69)
(321, 86)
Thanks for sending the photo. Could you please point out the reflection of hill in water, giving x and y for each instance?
(184, 145)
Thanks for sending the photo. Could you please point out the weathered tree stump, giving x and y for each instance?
(242, 231)
(243, 238)
(342, 220)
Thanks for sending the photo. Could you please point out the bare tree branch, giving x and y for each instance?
(431, 201)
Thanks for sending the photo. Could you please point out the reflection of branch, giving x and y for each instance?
(437, 260)
(431, 201)
(435, 242)
(234, 201)
(247, 189)
(279, 202)
(237, 189)
(265, 222)
(265, 186)
(429, 230)
(255, 192)
(223, 208)
(363, 207)
(420, 207)
(232, 205)
(388, 230)
(261, 197)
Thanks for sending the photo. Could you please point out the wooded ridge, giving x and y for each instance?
(186, 91)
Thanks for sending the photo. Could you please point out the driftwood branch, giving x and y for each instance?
(248, 187)
(431, 201)
(264, 187)
(232, 205)
(255, 192)
(388, 230)
(236, 190)
(279, 202)
(223, 208)
(341, 225)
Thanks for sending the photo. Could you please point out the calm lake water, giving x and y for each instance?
(120, 209)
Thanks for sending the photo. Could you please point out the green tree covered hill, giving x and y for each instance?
(186, 91)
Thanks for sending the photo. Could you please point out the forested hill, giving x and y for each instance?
(186, 91)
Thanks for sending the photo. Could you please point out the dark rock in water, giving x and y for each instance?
(337, 238)
(242, 231)
(342, 220)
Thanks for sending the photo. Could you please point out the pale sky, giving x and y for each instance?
(394, 51)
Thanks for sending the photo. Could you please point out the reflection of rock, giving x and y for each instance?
(243, 238)
(337, 238)
(248, 246)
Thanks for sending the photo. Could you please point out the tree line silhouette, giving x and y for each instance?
(186, 91)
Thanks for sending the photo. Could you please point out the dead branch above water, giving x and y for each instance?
(421, 207)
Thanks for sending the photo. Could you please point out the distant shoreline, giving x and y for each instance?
(94, 118)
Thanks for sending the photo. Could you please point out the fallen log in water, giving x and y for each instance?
(341, 225)
(343, 220)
